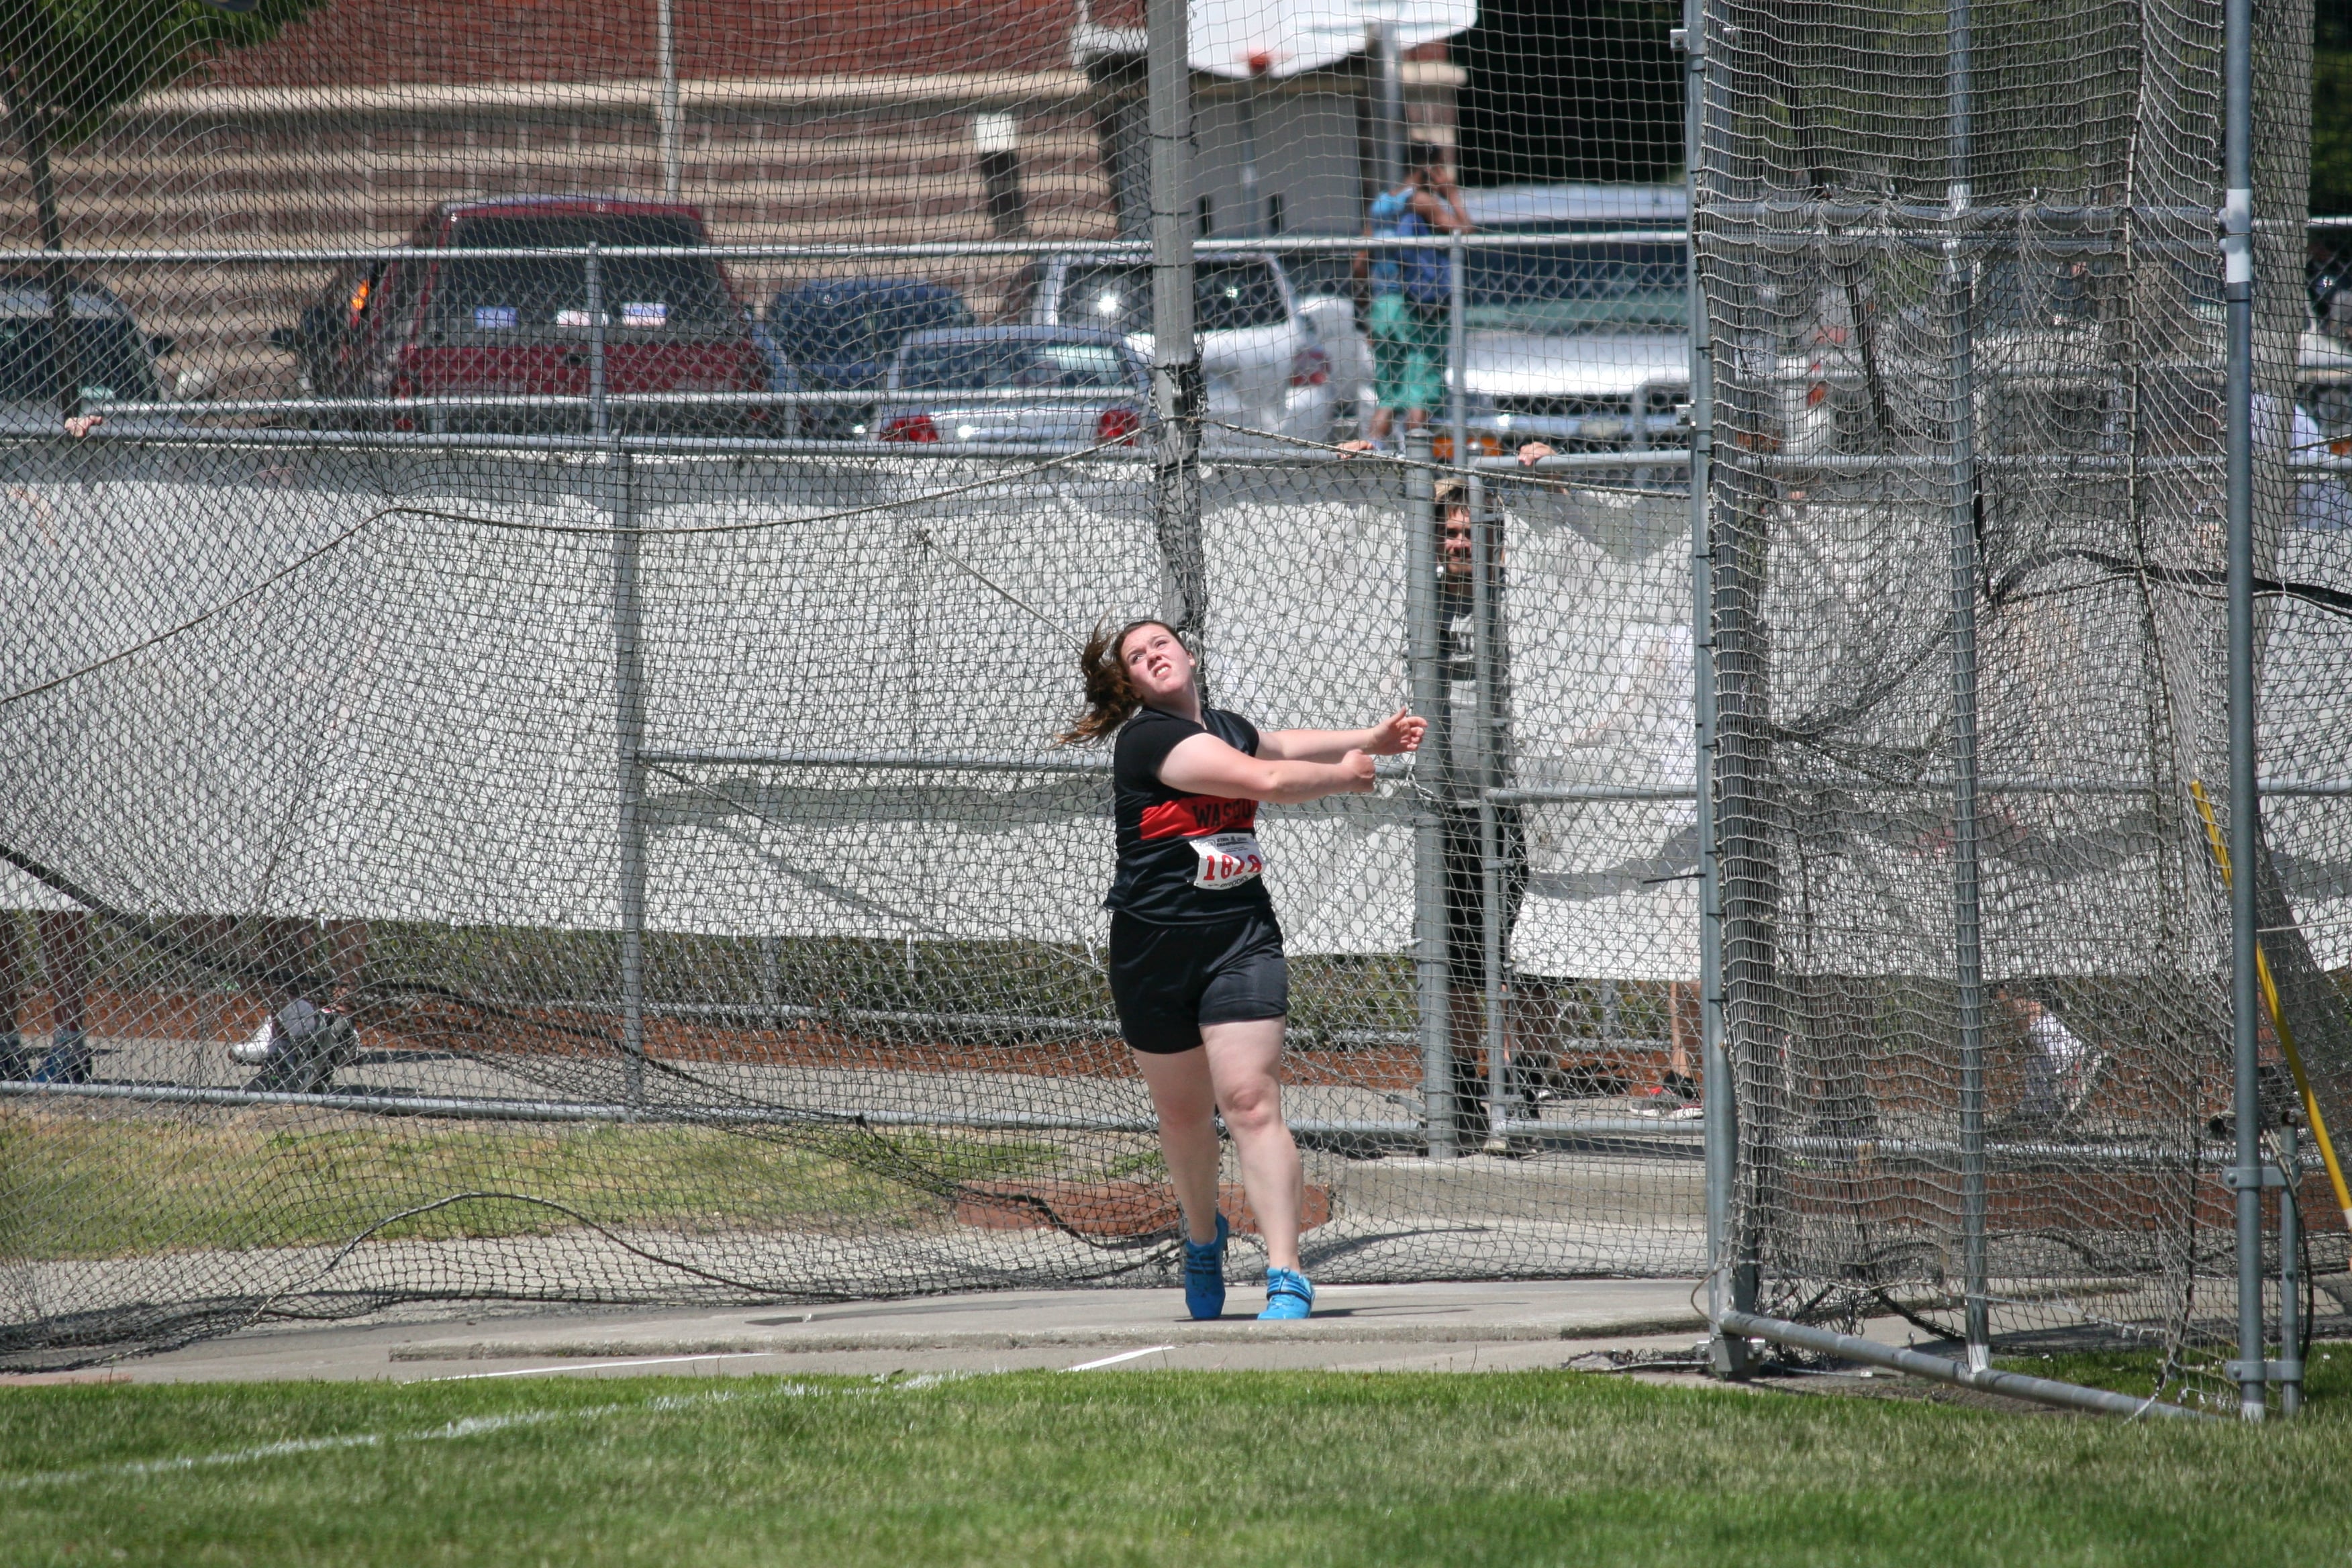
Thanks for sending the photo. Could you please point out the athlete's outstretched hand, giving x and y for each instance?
(1358, 768)
(1399, 733)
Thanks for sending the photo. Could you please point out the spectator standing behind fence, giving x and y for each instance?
(1459, 637)
(1412, 290)
(1196, 969)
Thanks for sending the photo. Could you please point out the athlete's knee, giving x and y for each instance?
(1252, 1105)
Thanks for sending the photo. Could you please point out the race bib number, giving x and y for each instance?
(1228, 859)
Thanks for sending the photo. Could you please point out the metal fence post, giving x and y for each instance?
(600, 424)
(619, 485)
(1431, 784)
(668, 129)
(1484, 715)
(1458, 352)
(1967, 927)
(629, 697)
(2290, 1235)
(1486, 773)
(1177, 391)
(1388, 68)
(2238, 300)
(1729, 1286)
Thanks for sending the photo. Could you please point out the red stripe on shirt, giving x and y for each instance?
(1191, 816)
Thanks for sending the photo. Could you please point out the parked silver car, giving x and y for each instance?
(1013, 388)
(1265, 366)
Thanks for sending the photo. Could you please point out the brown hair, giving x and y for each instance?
(1111, 697)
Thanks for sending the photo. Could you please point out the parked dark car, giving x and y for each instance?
(841, 334)
(115, 360)
(432, 322)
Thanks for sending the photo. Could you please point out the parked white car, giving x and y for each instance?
(1265, 366)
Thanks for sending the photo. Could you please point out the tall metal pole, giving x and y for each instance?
(1253, 205)
(1387, 69)
(1486, 773)
(628, 691)
(1729, 1287)
(1432, 783)
(2290, 1235)
(2238, 300)
(665, 112)
(1968, 926)
(600, 424)
(1177, 390)
(1458, 352)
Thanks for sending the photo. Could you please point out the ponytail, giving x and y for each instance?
(1111, 697)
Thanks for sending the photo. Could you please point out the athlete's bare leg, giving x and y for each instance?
(1236, 1071)
(1245, 1063)
(1186, 1100)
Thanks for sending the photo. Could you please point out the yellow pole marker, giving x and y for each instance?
(2278, 1017)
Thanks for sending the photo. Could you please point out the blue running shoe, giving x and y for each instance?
(1288, 1296)
(1204, 1274)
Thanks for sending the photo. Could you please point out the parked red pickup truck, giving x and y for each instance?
(432, 322)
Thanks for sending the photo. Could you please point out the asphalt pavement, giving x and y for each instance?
(1485, 1327)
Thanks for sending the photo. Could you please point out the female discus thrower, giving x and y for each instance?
(1196, 965)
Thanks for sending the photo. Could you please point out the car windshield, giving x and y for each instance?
(847, 328)
(498, 300)
(1227, 296)
(108, 353)
(1011, 362)
(1570, 288)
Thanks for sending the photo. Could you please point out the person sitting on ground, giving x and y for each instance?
(308, 1034)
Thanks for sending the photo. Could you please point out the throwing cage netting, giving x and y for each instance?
(525, 745)
(1966, 309)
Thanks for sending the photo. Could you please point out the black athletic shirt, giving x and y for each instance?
(1171, 843)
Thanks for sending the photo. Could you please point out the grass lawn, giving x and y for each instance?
(1152, 1467)
(73, 1186)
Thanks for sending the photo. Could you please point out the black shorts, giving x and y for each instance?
(1168, 980)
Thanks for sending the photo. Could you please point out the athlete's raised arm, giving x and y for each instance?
(1399, 732)
(1202, 765)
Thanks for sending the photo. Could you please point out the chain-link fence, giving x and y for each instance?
(533, 774)
(549, 568)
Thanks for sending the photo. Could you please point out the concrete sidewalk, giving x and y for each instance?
(1356, 1328)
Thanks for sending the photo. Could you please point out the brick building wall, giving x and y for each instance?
(817, 121)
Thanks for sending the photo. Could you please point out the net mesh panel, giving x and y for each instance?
(370, 690)
(2030, 383)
